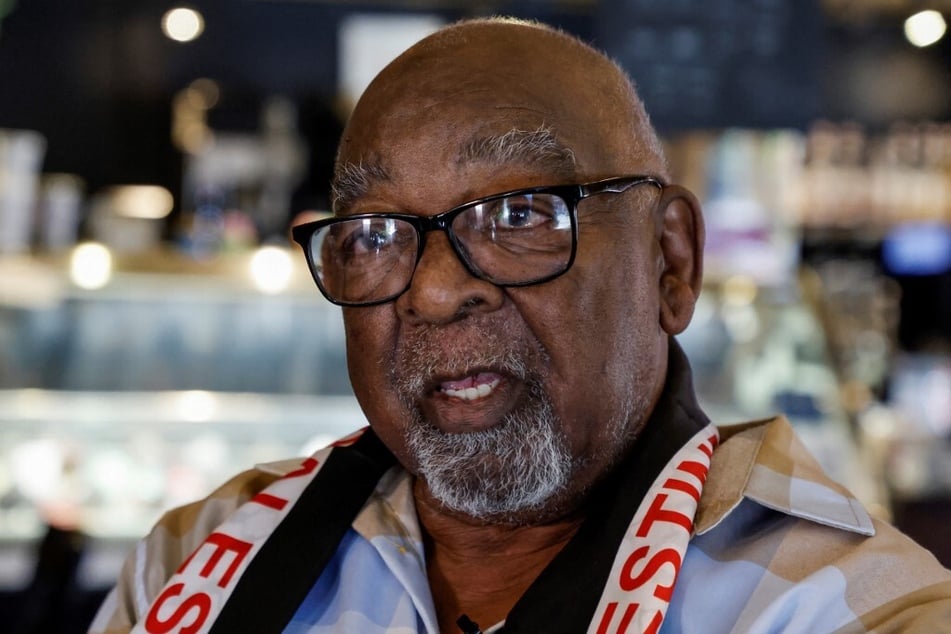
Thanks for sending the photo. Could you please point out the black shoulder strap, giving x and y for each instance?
(288, 565)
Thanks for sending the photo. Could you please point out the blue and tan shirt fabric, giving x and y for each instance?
(777, 547)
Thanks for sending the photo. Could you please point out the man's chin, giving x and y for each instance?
(508, 472)
(488, 490)
(491, 508)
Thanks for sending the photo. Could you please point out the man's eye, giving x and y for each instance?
(367, 237)
(523, 212)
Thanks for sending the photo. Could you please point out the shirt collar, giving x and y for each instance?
(391, 512)
(766, 462)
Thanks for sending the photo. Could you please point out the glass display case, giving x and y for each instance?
(761, 350)
(121, 401)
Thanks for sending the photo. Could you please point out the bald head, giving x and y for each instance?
(520, 91)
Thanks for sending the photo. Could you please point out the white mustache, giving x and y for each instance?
(428, 356)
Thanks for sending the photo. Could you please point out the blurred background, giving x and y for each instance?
(158, 332)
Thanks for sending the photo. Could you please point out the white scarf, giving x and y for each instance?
(638, 590)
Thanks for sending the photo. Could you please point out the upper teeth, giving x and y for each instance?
(472, 393)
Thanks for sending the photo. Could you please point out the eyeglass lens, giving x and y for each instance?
(517, 239)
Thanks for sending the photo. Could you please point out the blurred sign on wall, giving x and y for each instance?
(718, 63)
(368, 42)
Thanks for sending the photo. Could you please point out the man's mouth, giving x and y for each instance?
(472, 387)
(469, 400)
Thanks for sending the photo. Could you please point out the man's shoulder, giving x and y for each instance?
(172, 539)
(192, 523)
(800, 539)
(206, 513)
(180, 530)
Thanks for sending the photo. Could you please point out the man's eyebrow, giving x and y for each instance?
(353, 180)
(539, 147)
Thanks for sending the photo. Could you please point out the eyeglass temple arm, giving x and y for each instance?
(618, 185)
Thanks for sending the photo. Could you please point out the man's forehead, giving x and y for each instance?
(474, 97)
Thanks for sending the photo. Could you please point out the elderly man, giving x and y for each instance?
(513, 265)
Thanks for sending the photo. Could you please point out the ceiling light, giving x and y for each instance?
(925, 28)
(182, 25)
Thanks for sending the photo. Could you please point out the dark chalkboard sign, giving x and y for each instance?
(718, 63)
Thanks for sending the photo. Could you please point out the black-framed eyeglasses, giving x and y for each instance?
(516, 238)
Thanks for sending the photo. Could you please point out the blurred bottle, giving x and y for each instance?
(61, 198)
(21, 156)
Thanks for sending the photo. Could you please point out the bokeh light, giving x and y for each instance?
(182, 25)
(90, 266)
(925, 28)
(271, 269)
(150, 202)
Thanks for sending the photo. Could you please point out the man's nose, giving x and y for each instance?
(442, 289)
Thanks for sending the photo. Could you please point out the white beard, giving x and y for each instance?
(503, 473)
(498, 473)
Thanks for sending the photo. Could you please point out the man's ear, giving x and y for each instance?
(681, 234)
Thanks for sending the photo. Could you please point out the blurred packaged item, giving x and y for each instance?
(921, 393)
(863, 181)
(747, 180)
(206, 229)
(859, 309)
(60, 206)
(21, 157)
(129, 218)
(238, 185)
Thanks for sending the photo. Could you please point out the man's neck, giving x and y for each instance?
(482, 570)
